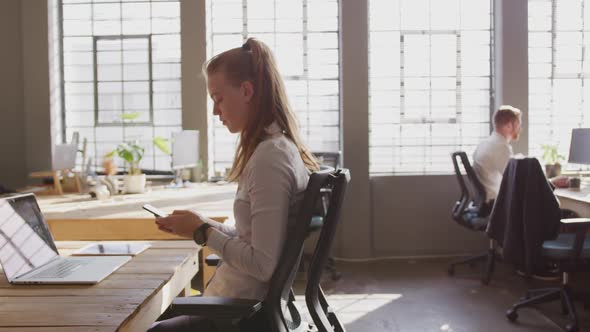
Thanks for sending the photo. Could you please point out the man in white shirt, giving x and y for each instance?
(492, 154)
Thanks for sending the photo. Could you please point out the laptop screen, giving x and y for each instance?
(25, 240)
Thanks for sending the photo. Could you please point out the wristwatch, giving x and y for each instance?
(200, 234)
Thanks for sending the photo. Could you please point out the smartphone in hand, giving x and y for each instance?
(155, 211)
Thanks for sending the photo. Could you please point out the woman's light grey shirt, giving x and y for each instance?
(269, 191)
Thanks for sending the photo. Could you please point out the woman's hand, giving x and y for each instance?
(180, 222)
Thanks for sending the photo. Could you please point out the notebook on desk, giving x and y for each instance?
(28, 254)
(112, 249)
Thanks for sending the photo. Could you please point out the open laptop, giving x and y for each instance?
(28, 254)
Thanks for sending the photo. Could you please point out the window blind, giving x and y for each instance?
(559, 65)
(429, 82)
(122, 57)
(304, 37)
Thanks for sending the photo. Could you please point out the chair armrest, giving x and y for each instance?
(212, 260)
(576, 222)
(580, 225)
(214, 308)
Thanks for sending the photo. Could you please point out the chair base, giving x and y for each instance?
(538, 296)
(489, 258)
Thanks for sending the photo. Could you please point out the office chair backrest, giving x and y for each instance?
(324, 319)
(331, 159)
(282, 279)
(472, 194)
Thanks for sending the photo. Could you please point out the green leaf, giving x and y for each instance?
(551, 154)
(130, 116)
(126, 155)
(162, 144)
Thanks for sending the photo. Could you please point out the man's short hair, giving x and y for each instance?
(506, 114)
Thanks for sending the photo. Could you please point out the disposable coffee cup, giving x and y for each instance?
(574, 183)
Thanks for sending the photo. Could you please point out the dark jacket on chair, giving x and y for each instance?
(525, 214)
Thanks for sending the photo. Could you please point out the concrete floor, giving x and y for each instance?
(419, 296)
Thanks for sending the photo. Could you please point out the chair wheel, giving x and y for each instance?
(512, 315)
(451, 271)
(571, 328)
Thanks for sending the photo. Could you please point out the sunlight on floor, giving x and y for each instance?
(350, 307)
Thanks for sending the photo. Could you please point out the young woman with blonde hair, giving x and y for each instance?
(271, 166)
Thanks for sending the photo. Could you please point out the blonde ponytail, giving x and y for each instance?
(255, 62)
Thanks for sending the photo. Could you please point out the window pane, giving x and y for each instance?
(558, 91)
(134, 49)
(304, 37)
(429, 82)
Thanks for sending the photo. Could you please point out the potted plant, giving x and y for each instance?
(132, 153)
(551, 157)
(134, 181)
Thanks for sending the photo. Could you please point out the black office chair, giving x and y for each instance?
(570, 253)
(327, 161)
(269, 314)
(471, 211)
(323, 316)
(332, 159)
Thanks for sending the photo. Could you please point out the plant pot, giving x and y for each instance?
(134, 183)
(552, 170)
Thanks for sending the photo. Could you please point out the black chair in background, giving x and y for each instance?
(332, 159)
(570, 253)
(327, 161)
(323, 316)
(471, 211)
(269, 314)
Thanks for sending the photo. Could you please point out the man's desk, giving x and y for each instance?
(130, 299)
(578, 201)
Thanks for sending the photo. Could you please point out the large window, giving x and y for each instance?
(429, 82)
(121, 74)
(304, 37)
(559, 63)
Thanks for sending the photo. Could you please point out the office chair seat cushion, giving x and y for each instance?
(562, 247)
(316, 223)
(474, 221)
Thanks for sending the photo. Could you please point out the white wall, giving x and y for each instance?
(12, 146)
(25, 129)
(35, 67)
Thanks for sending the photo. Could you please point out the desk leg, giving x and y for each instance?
(56, 183)
(208, 271)
(186, 291)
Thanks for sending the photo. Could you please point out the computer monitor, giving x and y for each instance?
(185, 153)
(580, 146)
(64, 156)
(185, 149)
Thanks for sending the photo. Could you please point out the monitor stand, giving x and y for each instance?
(177, 182)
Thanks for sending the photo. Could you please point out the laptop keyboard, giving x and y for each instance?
(60, 270)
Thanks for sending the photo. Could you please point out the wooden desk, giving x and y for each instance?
(75, 217)
(79, 217)
(578, 201)
(130, 299)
